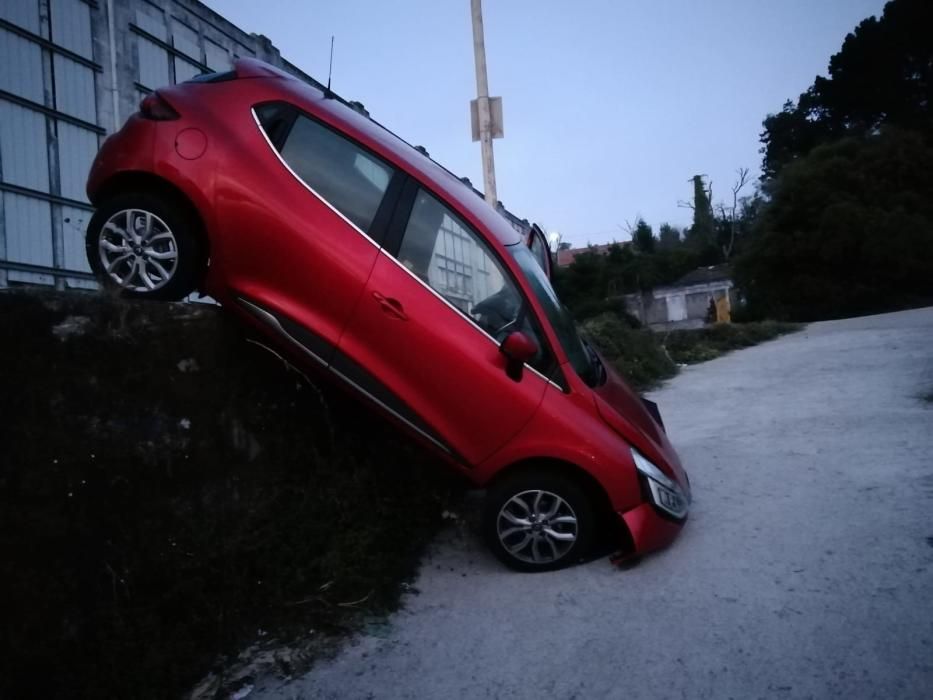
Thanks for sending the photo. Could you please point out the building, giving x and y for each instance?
(687, 302)
(71, 72)
(566, 256)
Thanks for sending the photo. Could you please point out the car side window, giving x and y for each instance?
(346, 176)
(449, 257)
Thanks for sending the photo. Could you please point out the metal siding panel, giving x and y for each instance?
(20, 66)
(153, 24)
(74, 89)
(185, 40)
(184, 70)
(22, 13)
(30, 277)
(73, 283)
(28, 229)
(76, 149)
(216, 57)
(153, 64)
(74, 223)
(71, 26)
(24, 157)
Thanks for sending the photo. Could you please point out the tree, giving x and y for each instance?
(702, 234)
(668, 237)
(643, 237)
(882, 76)
(729, 216)
(848, 230)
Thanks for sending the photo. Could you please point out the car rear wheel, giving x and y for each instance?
(147, 245)
(538, 521)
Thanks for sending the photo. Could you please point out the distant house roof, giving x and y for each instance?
(704, 275)
(566, 256)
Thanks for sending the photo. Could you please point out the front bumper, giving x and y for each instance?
(649, 529)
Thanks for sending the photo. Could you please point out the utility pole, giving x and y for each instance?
(485, 111)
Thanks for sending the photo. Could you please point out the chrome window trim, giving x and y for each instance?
(271, 320)
(389, 410)
(305, 184)
(382, 250)
(459, 313)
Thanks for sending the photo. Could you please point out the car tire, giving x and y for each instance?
(538, 521)
(146, 245)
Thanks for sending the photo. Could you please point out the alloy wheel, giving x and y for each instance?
(537, 527)
(138, 250)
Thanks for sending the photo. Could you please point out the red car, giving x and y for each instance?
(360, 256)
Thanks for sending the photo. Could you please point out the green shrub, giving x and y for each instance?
(702, 344)
(645, 357)
(635, 353)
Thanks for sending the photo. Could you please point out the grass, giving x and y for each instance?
(646, 358)
(707, 343)
(168, 489)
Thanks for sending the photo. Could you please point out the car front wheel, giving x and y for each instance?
(538, 521)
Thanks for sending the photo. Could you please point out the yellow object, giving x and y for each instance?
(723, 312)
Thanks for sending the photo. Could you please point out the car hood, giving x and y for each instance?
(626, 413)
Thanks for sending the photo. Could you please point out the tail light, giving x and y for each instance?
(156, 108)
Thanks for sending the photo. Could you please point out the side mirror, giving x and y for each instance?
(518, 349)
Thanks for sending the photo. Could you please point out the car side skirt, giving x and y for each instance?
(344, 368)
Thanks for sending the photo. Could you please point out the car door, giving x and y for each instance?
(424, 339)
(306, 233)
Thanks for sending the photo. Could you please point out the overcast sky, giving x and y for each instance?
(610, 106)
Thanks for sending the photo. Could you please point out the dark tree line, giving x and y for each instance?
(846, 220)
(842, 221)
(596, 280)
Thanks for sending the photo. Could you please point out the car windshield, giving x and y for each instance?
(561, 321)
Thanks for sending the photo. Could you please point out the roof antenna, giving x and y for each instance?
(328, 93)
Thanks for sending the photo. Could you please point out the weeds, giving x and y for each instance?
(168, 489)
(646, 358)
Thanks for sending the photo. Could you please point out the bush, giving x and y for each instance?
(709, 342)
(591, 308)
(646, 358)
(635, 353)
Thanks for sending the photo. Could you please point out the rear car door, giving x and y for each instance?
(306, 233)
(424, 340)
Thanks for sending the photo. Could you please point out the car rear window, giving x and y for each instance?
(346, 176)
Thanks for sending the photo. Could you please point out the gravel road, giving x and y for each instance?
(806, 570)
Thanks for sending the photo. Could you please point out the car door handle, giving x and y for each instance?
(391, 306)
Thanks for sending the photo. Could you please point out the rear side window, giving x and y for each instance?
(347, 177)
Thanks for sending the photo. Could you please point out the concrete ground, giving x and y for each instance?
(805, 571)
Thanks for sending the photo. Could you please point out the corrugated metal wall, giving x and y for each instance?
(48, 135)
(59, 98)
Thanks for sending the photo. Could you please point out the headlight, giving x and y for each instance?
(665, 492)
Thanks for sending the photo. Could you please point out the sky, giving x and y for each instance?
(610, 107)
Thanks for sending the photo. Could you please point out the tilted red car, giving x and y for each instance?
(360, 256)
